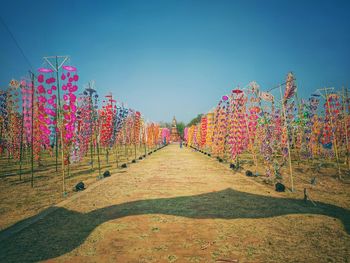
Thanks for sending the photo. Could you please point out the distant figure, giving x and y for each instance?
(181, 143)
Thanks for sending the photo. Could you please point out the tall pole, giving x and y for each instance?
(63, 168)
(98, 147)
(300, 127)
(21, 147)
(56, 66)
(116, 154)
(333, 133)
(334, 138)
(32, 132)
(57, 110)
(251, 142)
(59, 122)
(98, 155)
(91, 128)
(288, 146)
(345, 102)
(134, 133)
(145, 139)
(59, 131)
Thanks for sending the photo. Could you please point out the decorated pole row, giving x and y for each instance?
(276, 133)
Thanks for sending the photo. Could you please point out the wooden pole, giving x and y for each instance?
(266, 127)
(97, 131)
(116, 155)
(63, 166)
(59, 131)
(135, 150)
(1, 127)
(98, 157)
(334, 138)
(134, 135)
(300, 128)
(57, 111)
(251, 144)
(21, 147)
(145, 142)
(91, 128)
(288, 146)
(32, 133)
(68, 164)
(345, 101)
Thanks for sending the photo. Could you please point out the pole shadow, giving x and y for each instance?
(63, 230)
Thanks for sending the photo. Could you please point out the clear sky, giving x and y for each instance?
(168, 57)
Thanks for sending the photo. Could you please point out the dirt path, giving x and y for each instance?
(182, 206)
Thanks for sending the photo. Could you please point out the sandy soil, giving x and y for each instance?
(182, 206)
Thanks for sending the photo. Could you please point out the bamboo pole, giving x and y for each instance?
(116, 155)
(135, 150)
(68, 164)
(251, 144)
(91, 130)
(288, 146)
(98, 158)
(63, 165)
(57, 110)
(91, 155)
(1, 150)
(21, 147)
(345, 98)
(59, 132)
(300, 129)
(98, 151)
(32, 133)
(266, 128)
(334, 138)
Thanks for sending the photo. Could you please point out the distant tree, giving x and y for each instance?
(195, 120)
(180, 128)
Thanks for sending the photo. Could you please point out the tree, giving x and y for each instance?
(180, 128)
(195, 121)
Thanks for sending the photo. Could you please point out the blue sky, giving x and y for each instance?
(168, 58)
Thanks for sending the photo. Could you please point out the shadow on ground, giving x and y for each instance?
(63, 230)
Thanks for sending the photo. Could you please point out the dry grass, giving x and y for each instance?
(19, 200)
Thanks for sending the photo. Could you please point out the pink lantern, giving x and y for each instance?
(69, 68)
(45, 70)
(41, 78)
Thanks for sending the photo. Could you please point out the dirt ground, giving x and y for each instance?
(20, 201)
(179, 205)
